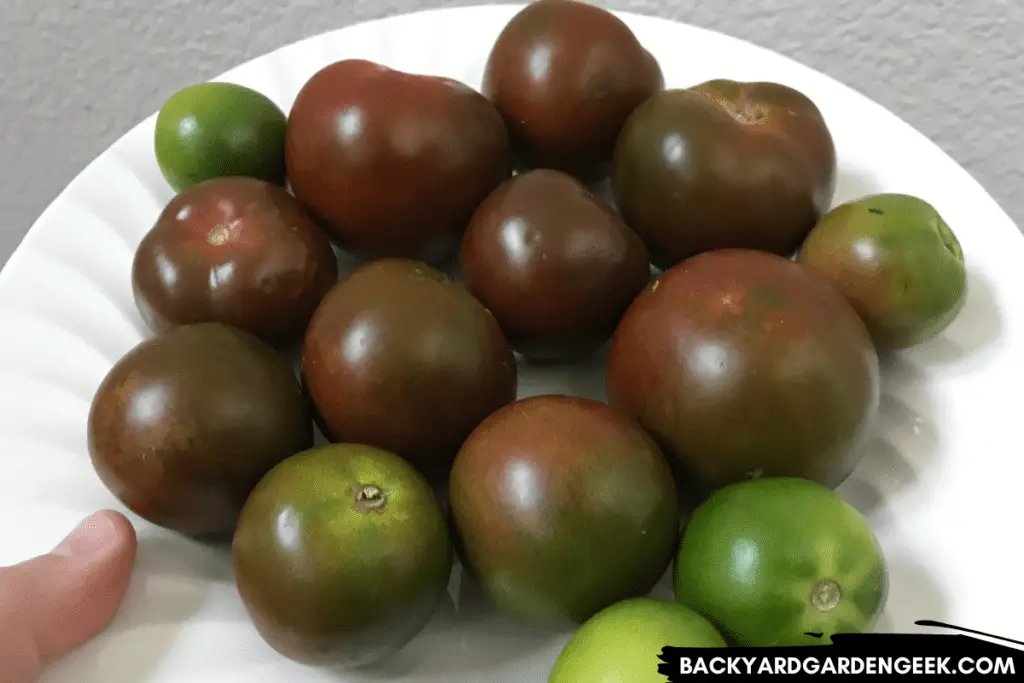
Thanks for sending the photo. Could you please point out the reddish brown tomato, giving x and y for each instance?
(185, 424)
(563, 506)
(553, 263)
(724, 165)
(566, 75)
(401, 358)
(238, 251)
(743, 364)
(393, 163)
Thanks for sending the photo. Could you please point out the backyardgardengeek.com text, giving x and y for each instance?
(845, 665)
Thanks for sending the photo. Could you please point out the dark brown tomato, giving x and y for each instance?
(566, 75)
(238, 251)
(399, 357)
(724, 165)
(184, 426)
(744, 364)
(563, 506)
(554, 264)
(393, 163)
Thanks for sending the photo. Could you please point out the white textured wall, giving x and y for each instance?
(76, 74)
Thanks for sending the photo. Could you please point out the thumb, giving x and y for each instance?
(53, 603)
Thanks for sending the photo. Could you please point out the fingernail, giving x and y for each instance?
(94, 532)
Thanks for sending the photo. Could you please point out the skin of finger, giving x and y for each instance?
(54, 603)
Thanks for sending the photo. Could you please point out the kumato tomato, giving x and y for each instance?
(341, 555)
(555, 265)
(896, 261)
(621, 643)
(186, 423)
(238, 251)
(772, 560)
(565, 75)
(563, 506)
(400, 357)
(724, 165)
(744, 364)
(393, 163)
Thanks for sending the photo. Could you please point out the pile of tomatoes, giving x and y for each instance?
(738, 318)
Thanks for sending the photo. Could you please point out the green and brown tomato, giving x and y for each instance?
(186, 423)
(721, 165)
(896, 261)
(341, 555)
(773, 560)
(744, 364)
(562, 507)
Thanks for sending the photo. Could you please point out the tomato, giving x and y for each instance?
(770, 560)
(897, 262)
(219, 130)
(393, 163)
(399, 357)
(521, 258)
(724, 164)
(562, 506)
(565, 76)
(621, 643)
(742, 363)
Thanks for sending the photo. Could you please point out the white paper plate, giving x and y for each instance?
(941, 484)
